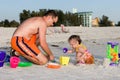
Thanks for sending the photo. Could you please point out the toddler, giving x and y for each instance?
(82, 54)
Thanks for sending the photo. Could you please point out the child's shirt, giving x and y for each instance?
(80, 45)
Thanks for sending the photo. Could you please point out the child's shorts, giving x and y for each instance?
(89, 60)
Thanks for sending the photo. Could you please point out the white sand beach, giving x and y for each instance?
(95, 38)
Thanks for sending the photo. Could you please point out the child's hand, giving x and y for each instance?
(69, 51)
(65, 50)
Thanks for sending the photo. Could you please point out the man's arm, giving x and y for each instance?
(43, 43)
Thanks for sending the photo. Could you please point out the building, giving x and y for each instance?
(86, 18)
(95, 22)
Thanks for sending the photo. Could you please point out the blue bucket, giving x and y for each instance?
(2, 58)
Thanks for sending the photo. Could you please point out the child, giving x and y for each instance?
(82, 54)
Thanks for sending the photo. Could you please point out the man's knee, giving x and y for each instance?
(43, 61)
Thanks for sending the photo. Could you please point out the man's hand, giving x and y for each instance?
(51, 57)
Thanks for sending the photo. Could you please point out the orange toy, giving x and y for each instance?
(53, 65)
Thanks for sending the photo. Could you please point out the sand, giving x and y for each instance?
(95, 38)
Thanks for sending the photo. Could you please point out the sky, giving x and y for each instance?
(10, 9)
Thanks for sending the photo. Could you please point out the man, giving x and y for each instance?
(31, 33)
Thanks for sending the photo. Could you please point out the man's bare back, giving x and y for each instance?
(27, 28)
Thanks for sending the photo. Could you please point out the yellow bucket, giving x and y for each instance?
(64, 60)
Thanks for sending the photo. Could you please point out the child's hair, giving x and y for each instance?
(77, 37)
(51, 13)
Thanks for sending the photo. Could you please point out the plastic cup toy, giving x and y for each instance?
(64, 60)
(14, 61)
(2, 58)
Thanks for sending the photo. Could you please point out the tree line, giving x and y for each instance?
(66, 18)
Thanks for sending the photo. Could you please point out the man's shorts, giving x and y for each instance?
(24, 46)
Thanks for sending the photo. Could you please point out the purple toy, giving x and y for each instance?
(113, 44)
(113, 64)
(65, 50)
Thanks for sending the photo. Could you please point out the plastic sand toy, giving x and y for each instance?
(53, 65)
(14, 62)
(2, 58)
(24, 64)
(64, 60)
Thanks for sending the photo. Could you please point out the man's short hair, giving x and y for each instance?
(51, 13)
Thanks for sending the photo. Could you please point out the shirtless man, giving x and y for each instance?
(31, 33)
